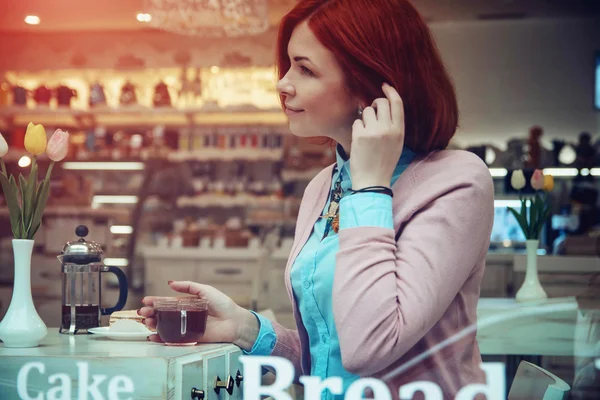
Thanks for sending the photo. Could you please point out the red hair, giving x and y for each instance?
(378, 41)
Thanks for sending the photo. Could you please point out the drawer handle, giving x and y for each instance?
(228, 271)
(238, 378)
(197, 394)
(227, 385)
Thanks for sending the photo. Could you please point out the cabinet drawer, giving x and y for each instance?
(191, 376)
(564, 285)
(215, 369)
(235, 369)
(226, 271)
(278, 296)
(168, 264)
(156, 277)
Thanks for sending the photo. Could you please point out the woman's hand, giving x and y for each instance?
(227, 322)
(377, 141)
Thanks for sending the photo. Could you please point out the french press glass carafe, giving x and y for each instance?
(82, 269)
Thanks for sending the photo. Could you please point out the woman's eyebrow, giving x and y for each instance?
(300, 58)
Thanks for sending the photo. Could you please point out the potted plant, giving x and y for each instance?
(26, 200)
(531, 217)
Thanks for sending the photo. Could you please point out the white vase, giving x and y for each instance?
(22, 326)
(531, 290)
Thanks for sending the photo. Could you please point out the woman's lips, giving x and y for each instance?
(292, 111)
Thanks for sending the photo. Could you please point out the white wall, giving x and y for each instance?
(510, 75)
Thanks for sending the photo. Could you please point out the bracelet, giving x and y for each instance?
(374, 189)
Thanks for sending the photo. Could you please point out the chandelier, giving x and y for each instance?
(209, 18)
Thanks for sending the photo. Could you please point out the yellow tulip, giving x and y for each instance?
(35, 139)
(548, 183)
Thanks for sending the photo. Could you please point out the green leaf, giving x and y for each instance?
(3, 168)
(12, 201)
(30, 195)
(34, 231)
(23, 188)
(40, 206)
(13, 183)
(523, 215)
(17, 230)
(520, 219)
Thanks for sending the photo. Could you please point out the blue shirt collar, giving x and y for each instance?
(343, 164)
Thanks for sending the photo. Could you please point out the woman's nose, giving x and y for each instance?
(284, 87)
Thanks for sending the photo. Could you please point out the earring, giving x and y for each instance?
(360, 111)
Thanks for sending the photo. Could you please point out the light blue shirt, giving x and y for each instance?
(313, 271)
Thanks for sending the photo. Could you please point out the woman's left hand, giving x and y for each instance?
(377, 141)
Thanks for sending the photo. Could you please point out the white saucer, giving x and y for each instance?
(128, 336)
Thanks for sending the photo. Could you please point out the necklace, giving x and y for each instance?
(333, 213)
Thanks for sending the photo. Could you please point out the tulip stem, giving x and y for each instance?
(3, 167)
(49, 171)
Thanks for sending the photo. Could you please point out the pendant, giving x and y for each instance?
(331, 213)
(335, 224)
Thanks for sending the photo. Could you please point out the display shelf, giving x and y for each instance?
(288, 175)
(226, 201)
(70, 211)
(195, 253)
(128, 116)
(212, 154)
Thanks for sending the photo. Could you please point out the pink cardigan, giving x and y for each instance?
(392, 301)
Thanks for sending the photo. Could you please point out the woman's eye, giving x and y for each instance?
(305, 70)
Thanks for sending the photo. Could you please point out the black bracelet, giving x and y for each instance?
(374, 189)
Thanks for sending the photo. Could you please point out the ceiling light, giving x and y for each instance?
(490, 155)
(116, 199)
(509, 203)
(560, 172)
(103, 166)
(498, 172)
(32, 20)
(121, 229)
(144, 17)
(116, 262)
(567, 155)
(214, 69)
(24, 162)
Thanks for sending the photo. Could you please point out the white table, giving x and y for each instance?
(144, 370)
(522, 331)
(547, 328)
(560, 264)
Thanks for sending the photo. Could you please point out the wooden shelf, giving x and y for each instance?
(226, 201)
(75, 211)
(195, 253)
(136, 116)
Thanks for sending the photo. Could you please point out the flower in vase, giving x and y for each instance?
(35, 139)
(548, 183)
(58, 145)
(534, 210)
(537, 180)
(3, 146)
(26, 198)
(517, 180)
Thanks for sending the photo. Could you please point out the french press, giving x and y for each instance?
(82, 269)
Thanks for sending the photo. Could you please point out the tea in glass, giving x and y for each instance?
(181, 321)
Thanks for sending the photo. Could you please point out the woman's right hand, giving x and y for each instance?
(227, 322)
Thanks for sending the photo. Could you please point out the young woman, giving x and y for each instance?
(391, 240)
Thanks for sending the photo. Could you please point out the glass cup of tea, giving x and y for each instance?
(180, 321)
